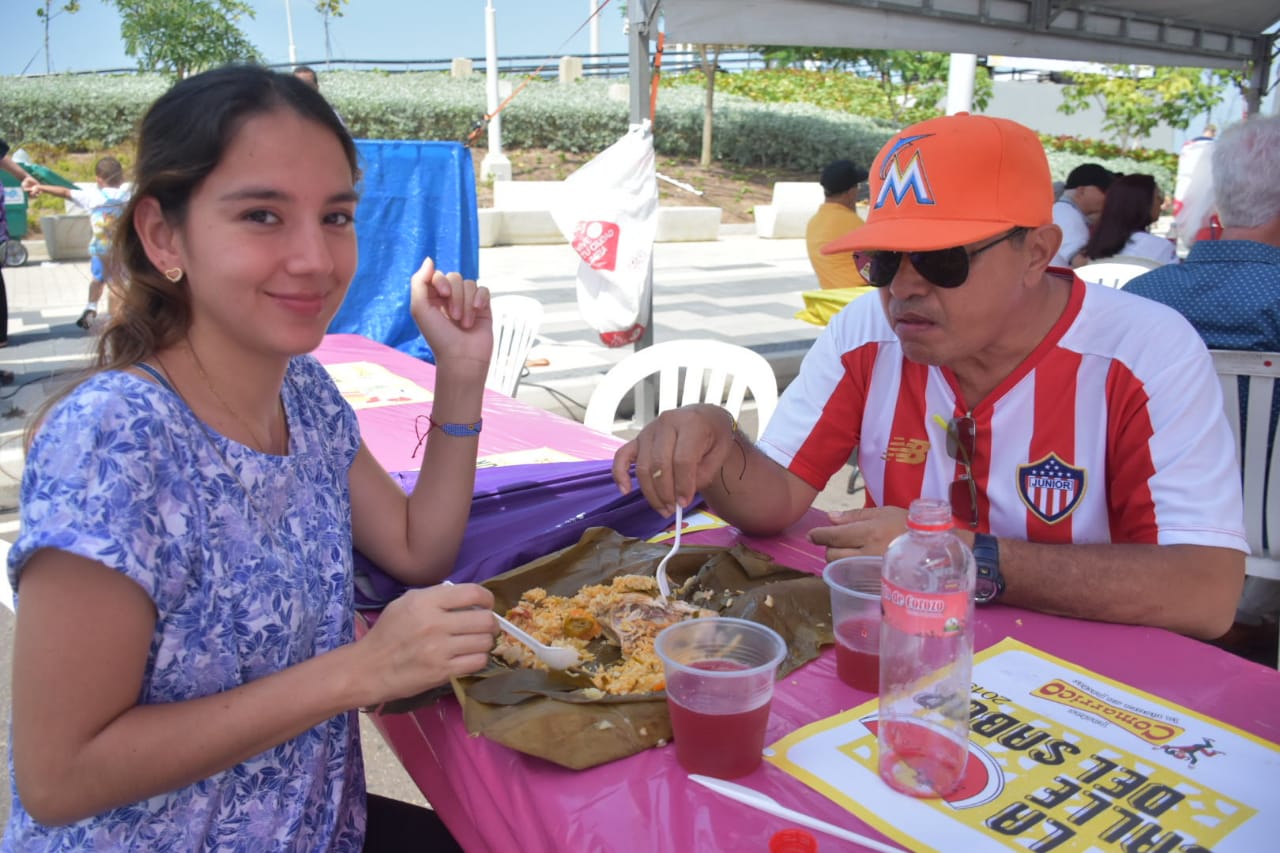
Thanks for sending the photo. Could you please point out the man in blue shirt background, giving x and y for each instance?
(1229, 289)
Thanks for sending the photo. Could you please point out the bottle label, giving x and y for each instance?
(930, 614)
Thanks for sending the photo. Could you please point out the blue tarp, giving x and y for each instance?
(417, 199)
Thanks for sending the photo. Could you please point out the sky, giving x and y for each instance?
(89, 40)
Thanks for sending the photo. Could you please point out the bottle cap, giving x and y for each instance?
(793, 841)
(929, 515)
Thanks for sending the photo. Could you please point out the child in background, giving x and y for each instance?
(105, 204)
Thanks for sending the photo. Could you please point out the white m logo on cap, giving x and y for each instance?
(900, 180)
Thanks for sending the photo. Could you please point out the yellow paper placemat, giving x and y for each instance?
(1061, 759)
(365, 385)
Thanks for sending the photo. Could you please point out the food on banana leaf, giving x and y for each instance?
(612, 626)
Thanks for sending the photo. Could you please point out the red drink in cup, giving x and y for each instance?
(710, 743)
(857, 668)
(719, 675)
(855, 612)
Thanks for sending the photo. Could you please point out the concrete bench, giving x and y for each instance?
(66, 236)
(794, 203)
(521, 215)
(687, 224)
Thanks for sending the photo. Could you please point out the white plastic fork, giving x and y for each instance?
(555, 657)
(664, 585)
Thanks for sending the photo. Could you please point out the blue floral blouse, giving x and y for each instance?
(123, 473)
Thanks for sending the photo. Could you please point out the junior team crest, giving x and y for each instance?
(1051, 488)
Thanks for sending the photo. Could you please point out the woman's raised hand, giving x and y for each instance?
(452, 313)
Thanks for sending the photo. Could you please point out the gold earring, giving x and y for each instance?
(174, 274)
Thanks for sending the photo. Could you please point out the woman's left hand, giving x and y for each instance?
(452, 313)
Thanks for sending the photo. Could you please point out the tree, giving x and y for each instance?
(329, 9)
(912, 82)
(709, 59)
(47, 13)
(1136, 98)
(183, 37)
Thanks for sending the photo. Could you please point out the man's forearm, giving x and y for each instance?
(756, 494)
(1191, 589)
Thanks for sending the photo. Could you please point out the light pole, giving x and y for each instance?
(592, 6)
(960, 83)
(495, 166)
(288, 19)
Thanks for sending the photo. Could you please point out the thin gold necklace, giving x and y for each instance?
(262, 516)
(261, 447)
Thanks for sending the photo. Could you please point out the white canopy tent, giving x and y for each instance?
(1193, 33)
(1179, 33)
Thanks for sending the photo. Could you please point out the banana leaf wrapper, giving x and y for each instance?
(546, 714)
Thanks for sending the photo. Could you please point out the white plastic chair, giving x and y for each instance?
(688, 371)
(1115, 272)
(516, 320)
(1262, 370)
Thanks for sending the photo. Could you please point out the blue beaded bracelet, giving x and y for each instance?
(459, 430)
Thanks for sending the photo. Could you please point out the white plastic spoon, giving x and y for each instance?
(555, 657)
(664, 585)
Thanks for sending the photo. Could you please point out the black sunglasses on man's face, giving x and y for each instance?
(943, 267)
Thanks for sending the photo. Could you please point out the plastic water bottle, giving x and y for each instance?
(926, 654)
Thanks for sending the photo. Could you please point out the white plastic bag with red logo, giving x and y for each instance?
(608, 211)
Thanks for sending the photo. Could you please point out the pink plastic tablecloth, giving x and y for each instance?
(495, 799)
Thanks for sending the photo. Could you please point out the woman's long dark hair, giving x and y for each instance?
(181, 139)
(1127, 209)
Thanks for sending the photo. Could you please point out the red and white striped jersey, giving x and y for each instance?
(1112, 430)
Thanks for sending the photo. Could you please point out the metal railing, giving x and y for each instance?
(597, 65)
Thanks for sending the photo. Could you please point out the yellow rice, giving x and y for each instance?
(629, 604)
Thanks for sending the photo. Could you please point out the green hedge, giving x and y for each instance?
(87, 113)
(82, 113)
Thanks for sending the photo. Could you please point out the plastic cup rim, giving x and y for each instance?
(833, 584)
(780, 649)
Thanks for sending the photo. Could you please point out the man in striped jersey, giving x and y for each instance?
(1077, 430)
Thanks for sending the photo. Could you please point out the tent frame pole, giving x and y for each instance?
(640, 16)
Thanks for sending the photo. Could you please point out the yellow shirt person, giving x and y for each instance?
(835, 218)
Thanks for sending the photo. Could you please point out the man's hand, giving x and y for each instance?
(860, 532)
(677, 455)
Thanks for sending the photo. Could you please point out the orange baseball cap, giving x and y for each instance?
(950, 181)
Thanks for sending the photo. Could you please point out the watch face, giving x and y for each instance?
(984, 590)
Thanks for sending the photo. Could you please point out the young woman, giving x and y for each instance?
(1133, 202)
(185, 675)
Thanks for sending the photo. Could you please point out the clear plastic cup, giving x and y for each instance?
(720, 674)
(855, 615)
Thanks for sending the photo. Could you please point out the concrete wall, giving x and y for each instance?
(1035, 104)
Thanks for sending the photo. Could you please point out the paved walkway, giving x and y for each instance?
(740, 289)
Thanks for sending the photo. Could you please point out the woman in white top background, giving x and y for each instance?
(1133, 203)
